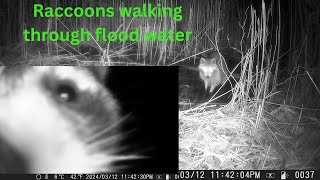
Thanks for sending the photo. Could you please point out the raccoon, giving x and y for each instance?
(213, 71)
(58, 120)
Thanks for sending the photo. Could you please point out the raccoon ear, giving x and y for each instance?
(202, 61)
(213, 60)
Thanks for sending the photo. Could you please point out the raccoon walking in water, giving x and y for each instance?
(58, 120)
(213, 71)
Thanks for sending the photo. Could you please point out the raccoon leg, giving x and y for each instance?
(212, 88)
(205, 91)
(205, 95)
(206, 84)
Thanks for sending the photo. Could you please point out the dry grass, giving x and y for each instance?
(230, 138)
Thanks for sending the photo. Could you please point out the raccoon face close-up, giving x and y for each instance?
(58, 120)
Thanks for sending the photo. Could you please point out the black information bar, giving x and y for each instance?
(181, 175)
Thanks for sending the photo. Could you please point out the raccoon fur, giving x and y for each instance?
(58, 120)
(213, 71)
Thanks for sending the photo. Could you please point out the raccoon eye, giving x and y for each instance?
(66, 92)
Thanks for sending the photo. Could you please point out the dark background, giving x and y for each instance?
(150, 96)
